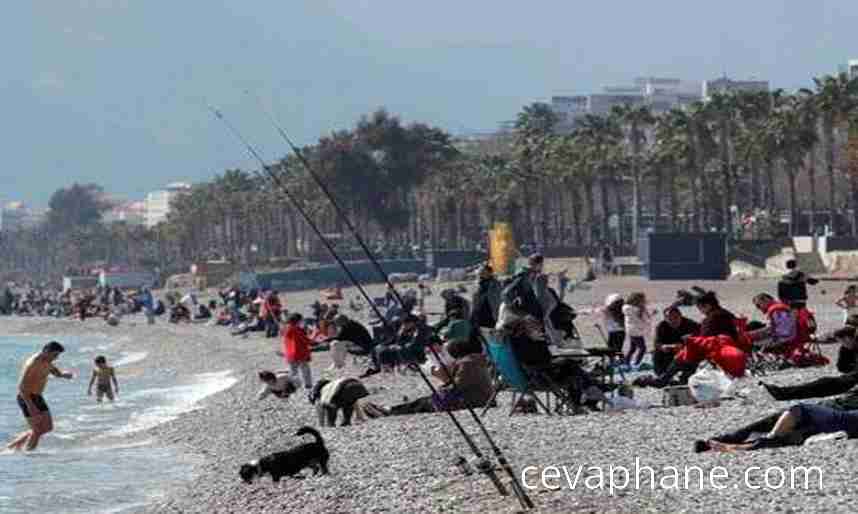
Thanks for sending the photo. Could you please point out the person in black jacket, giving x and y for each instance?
(349, 330)
(669, 336)
(792, 287)
(486, 300)
(525, 288)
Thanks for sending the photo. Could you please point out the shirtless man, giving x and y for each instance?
(34, 378)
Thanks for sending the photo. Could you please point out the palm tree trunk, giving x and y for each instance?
(606, 209)
(575, 208)
(828, 144)
(674, 208)
(770, 187)
(811, 176)
(696, 205)
(792, 172)
(659, 190)
(755, 183)
(590, 206)
(621, 212)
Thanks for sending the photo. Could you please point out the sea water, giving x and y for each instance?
(88, 464)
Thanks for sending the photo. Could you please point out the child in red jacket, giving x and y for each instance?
(296, 350)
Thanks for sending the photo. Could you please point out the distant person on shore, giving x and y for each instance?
(297, 350)
(792, 287)
(148, 302)
(606, 257)
(849, 302)
(277, 383)
(562, 284)
(34, 379)
(102, 376)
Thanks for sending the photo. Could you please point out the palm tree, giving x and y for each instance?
(671, 151)
(836, 97)
(702, 146)
(792, 138)
(534, 128)
(808, 109)
(722, 108)
(635, 120)
(600, 135)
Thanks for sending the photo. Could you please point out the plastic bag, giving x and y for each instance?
(709, 385)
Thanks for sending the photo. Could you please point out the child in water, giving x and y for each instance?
(102, 375)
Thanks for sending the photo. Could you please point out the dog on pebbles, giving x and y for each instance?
(290, 463)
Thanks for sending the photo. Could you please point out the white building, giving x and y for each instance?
(853, 68)
(660, 94)
(132, 213)
(727, 85)
(157, 203)
(17, 215)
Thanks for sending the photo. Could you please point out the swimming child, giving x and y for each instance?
(102, 375)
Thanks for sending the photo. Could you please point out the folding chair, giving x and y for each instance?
(520, 381)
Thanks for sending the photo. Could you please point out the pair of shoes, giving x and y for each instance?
(370, 372)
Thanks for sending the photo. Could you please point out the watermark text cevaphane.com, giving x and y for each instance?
(638, 477)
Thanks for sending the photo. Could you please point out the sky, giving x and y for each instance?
(115, 91)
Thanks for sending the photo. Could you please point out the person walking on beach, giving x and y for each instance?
(148, 303)
(34, 378)
(102, 376)
(637, 322)
(297, 351)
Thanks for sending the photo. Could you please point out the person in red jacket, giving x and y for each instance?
(782, 330)
(296, 350)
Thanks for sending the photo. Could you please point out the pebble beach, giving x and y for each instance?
(407, 463)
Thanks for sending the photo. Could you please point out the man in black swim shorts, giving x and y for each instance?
(34, 378)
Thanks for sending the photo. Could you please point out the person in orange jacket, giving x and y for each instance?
(297, 350)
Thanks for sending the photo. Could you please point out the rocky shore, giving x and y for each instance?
(406, 464)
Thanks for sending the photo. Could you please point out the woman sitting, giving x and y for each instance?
(468, 385)
(530, 348)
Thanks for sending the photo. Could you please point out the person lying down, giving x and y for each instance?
(801, 421)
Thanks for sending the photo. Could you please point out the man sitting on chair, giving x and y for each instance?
(781, 331)
(669, 336)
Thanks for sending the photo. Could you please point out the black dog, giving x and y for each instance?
(289, 463)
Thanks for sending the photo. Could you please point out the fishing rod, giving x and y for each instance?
(483, 463)
(522, 496)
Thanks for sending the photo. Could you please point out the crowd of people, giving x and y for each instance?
(528, 315)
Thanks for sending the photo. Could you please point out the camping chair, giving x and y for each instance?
(522, 382)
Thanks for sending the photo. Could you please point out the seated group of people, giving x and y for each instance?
(796, 424)
(725, 340)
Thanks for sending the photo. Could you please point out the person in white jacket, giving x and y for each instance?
(638, 324)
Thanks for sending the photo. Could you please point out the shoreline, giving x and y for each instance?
(407, 463)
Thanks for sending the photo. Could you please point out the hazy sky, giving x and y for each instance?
(113, 91)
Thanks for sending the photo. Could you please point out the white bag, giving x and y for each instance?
(709, 385)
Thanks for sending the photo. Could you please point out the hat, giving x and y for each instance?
(410, 318)
(535, 259)
(612, 298)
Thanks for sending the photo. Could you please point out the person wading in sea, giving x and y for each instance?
(34, 378)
